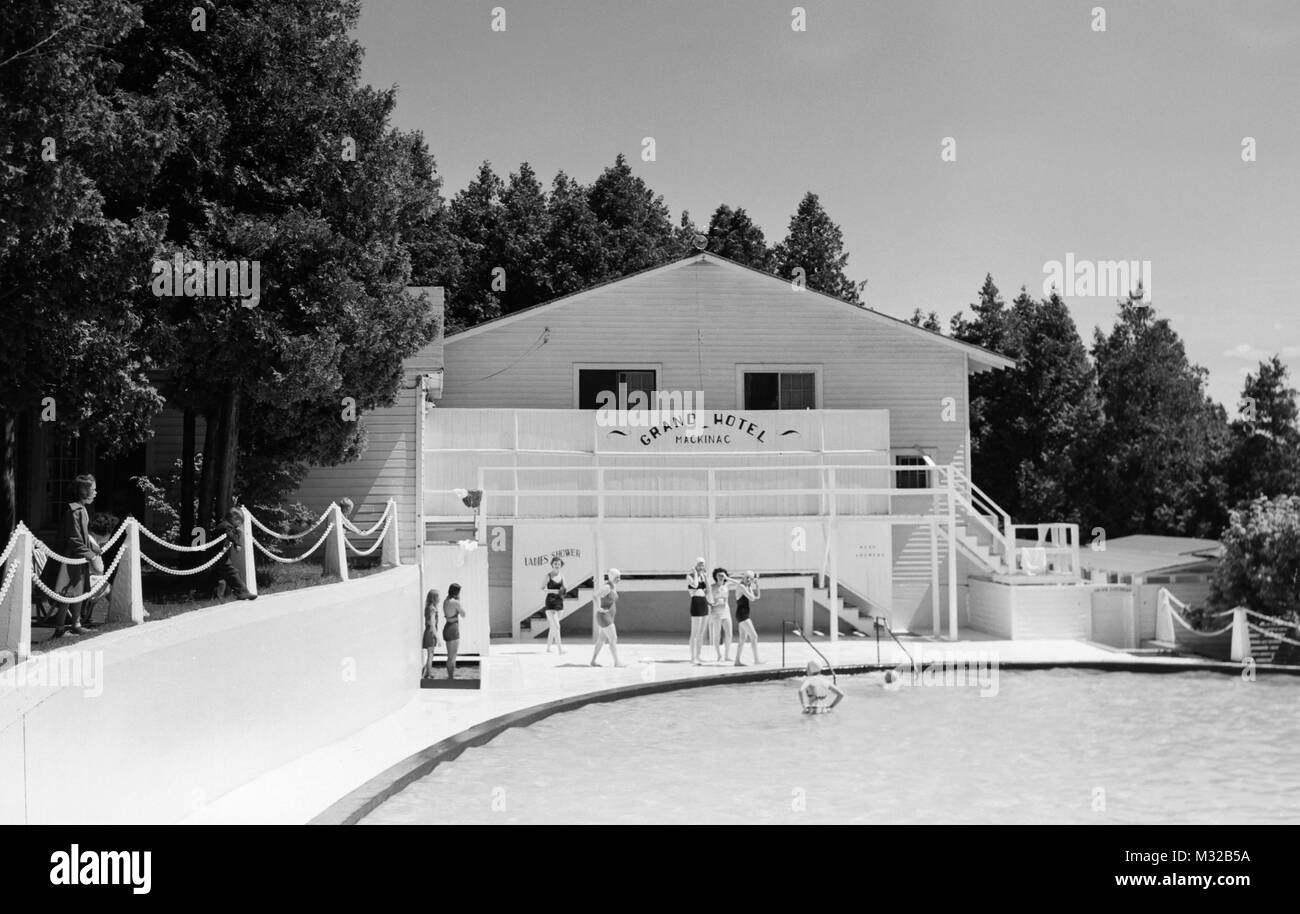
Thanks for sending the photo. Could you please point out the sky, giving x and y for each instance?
(1123, 144)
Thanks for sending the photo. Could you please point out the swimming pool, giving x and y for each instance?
(1065, 746)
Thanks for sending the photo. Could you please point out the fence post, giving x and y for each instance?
(242, 555)
(16, 605)
(335, 558)
(1164, 618)
(126, 597)
(1240, 635)
(391, 553)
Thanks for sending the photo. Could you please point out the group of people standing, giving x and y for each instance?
(445, 619)
(710, 603)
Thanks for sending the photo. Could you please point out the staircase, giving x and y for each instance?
(537, 624)
(851, 608)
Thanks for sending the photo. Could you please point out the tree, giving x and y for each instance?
(1260, 568)
(634, 220)
(1032, 426)
(71, 279)
(525, 228)
(1264, 454)
(1162, 436)
(732, 234)
(926, 321)
(477, 223)
(288, 162)
(815, 245)
(685, 236)
(575, 254)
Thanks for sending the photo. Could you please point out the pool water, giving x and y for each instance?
(1063, 746)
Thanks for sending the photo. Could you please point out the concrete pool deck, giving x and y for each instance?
(332, 783)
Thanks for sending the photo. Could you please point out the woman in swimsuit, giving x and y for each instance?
(748, 591)
(814, 691)
(720, 612)
(452, 613)
(554, 587)
(697, 584)
(430, 632)
(605, 632)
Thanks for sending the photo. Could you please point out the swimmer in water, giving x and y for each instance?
(815, 691)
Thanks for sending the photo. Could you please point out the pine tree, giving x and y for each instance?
(575, 255)
(926, 321)
(732, 234)
(1161, 437)
(1264, 453)
(639, 234)
(477, 222)
(525, 228)
(815, 245)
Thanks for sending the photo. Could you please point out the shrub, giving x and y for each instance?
(1261, 564)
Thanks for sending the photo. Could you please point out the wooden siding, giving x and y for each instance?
(699, 321)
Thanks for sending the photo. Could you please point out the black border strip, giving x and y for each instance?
(356, 805)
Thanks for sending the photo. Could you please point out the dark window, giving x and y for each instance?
(592, 382)
(780, 390)
(911, 479)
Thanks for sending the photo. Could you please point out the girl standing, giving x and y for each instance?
(605, 632)
(697, 583)
(720, 612)
(555, 588)
(748, 591)
(452, 613)
(430, 632)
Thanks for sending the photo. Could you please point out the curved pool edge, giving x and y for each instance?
(373, 793)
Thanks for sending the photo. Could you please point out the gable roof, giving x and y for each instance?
(980, 359)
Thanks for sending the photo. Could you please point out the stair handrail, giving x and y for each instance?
(1001, 530)
(798, 631)
(881, 622)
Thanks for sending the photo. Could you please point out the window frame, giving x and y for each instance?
(579, 367)
(779, 368)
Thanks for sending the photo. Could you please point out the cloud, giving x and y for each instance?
(1255, 354)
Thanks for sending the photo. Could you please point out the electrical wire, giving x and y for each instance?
(537, 344)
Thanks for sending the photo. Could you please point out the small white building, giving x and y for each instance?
(829, 451)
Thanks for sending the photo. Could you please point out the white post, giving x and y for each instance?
(598, 549)
(1240, 635)
(126, 601)
(834, 563)
(1164, 618)
(952, 559)
(335, 558)
(16, 607)
(392, 555)
(243, 554)
(936, 618)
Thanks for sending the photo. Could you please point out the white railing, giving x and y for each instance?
(25, 556)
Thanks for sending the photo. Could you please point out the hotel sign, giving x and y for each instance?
(715, 431)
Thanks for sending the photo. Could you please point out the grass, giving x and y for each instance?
(167, 595)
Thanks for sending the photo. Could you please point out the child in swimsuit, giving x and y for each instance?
(720, 612)
(747, 589)
(555, 588)
(814, 691)
(452, 613)
(697, 583)
(605, 614)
